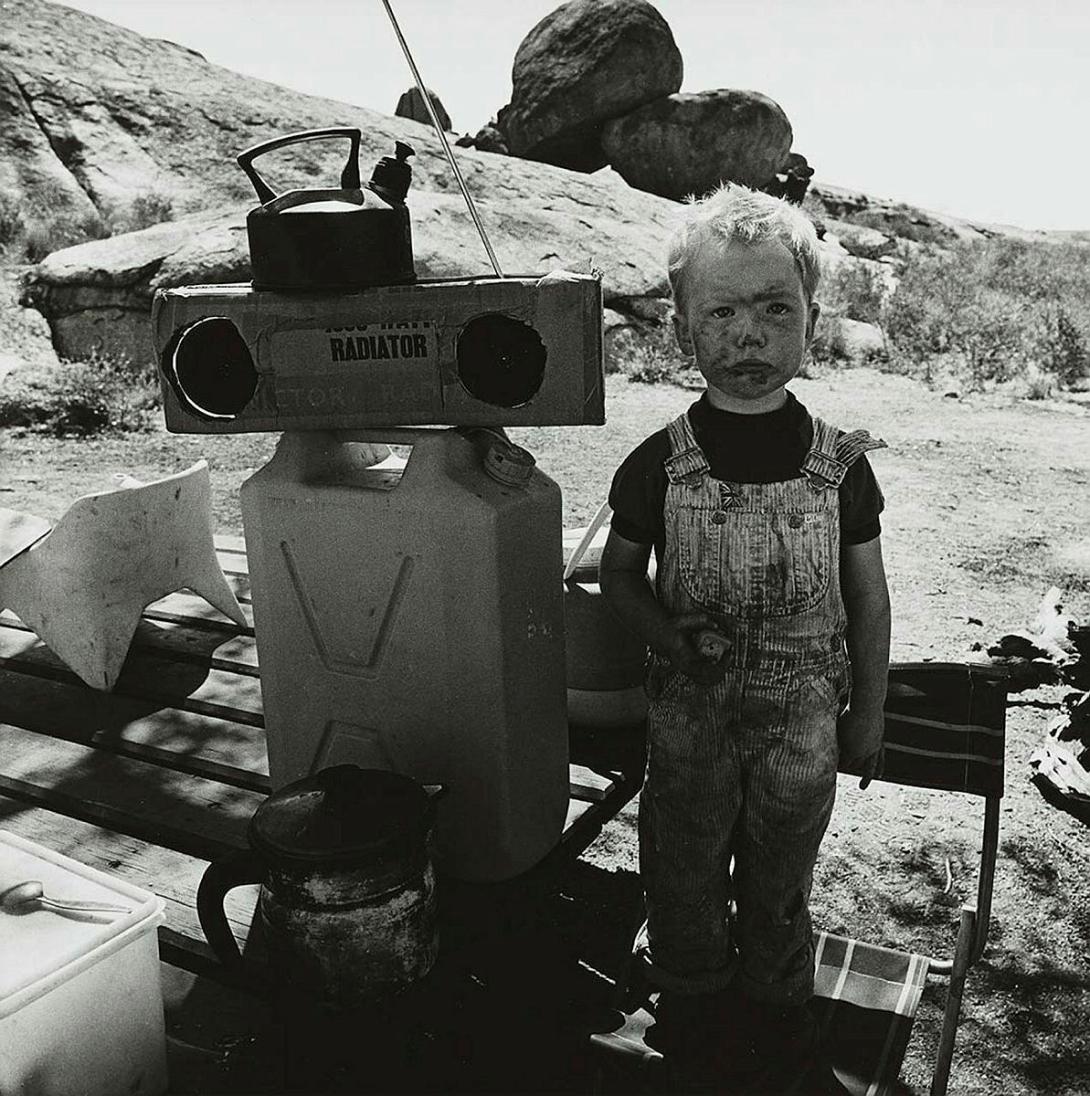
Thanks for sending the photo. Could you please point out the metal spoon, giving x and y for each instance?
(25, 894)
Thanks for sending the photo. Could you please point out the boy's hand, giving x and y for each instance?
(859, 735)
(679, 640)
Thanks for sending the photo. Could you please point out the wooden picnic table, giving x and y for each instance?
(155, 779)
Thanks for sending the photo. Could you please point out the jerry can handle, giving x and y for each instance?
(350, 173)
(500, 457)
(389, 435)
(223, 875)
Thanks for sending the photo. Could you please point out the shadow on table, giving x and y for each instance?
(507, 1008)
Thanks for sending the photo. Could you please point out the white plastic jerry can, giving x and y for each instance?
(409, 616)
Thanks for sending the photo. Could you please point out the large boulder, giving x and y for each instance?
(908, 224)
(848, 340)
(860, 241)
(689, 144)
(412, 105)
(586, 62)
(32, 176)
(487, 139)
(99, 118)
(97, 296)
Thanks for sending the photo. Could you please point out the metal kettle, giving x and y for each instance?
(334, 238)
(347, 907)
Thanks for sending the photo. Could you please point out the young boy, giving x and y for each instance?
(769, 634)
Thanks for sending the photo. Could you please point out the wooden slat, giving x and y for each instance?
(182, 638)
(152, 675)
(230, 752)
(181, 811)
(230, 545)
(187, 813)
(62, 708)
(577, 808)
(173, 875)
(585, 819)
(195, 607)
(589, 785)
(183, 608)
(18, 531)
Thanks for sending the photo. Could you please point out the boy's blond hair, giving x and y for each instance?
(735, 212)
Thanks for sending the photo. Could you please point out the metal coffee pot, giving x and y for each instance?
(347, 906)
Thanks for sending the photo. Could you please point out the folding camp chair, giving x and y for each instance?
(944, 730)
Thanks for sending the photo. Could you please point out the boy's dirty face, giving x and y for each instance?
(743, 314)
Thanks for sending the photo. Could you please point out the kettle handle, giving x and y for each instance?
(350, 173)
(223, 875)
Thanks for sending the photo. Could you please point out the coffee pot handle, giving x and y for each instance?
(223, 875)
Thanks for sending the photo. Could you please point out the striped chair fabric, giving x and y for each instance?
(945, 726)
(866, 999)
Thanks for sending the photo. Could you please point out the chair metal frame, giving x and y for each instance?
(981, 775)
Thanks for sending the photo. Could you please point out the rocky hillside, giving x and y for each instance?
(102, 128)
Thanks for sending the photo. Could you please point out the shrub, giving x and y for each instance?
(12, 221)
(44, 235)
(58, 227)
(1063, 347)
(653, 357)
(855, 290)
(56, 222)
(148, 208)
(1039, 384)
(81, 398)
(993, 309)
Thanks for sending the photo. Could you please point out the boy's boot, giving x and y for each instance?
(787, 1046)
(706, 1039)
(680, 1019)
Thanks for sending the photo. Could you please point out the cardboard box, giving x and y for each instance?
(516, 351)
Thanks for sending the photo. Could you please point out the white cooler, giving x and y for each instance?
(81, 1006)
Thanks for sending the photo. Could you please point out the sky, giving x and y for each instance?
(974, 108)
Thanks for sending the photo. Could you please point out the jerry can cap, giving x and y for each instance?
(508, 463)
(344, 814)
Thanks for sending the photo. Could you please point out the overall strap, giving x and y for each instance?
(831, 455)
(686, 463)
(850, 447)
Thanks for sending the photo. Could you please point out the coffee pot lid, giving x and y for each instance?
(343, 813)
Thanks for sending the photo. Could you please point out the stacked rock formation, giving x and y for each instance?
(585, 63)
(597, 82)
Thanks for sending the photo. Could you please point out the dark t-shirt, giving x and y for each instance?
(741, 449)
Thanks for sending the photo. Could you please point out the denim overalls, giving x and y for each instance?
(745, 768)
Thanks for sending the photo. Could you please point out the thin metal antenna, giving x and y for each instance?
(443, 139)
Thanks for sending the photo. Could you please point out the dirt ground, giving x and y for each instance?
(987, 508)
